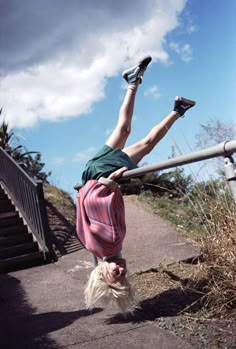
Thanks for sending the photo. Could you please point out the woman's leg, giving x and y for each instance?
(138, 150)
(120, 134)
(134, 77)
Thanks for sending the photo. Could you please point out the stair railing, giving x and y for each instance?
(28, 197)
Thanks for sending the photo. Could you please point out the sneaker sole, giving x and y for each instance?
(185, 100)
(143, 62)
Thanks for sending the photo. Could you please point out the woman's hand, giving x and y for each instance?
(117, 173)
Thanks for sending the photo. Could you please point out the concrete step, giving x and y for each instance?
(4, 200)
(21, 262)
(15, 240)
(8, 215)
(18, 250)
(7, 208)
(13, 230)
(10, 221)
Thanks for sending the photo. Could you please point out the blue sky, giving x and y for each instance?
(61, 63)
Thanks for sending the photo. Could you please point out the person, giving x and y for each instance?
(100, 207)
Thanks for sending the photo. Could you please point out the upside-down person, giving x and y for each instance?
(100, 207)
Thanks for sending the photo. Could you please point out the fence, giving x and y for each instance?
(28, 197)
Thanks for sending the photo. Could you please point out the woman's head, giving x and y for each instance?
(117, 271)
(108, 284)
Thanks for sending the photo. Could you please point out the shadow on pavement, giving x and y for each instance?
(168, 303)
(63, 233)
(20, 327)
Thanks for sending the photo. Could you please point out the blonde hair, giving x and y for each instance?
(99, 290)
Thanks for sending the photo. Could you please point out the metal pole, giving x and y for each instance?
(94, 260)
(223, 149)
(230, 173)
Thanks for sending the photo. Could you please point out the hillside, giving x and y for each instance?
(61, 217)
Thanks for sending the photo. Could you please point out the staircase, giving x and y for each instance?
(18, 250)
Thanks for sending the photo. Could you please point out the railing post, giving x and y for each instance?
(230, 173)
(94, 260)
(45, 224)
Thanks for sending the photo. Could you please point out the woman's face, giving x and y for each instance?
(117, 271)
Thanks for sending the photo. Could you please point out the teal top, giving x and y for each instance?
(106, 161)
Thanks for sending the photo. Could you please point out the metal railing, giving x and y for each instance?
(28, 197)
(225, 149)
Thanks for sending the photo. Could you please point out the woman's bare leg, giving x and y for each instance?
(138, 150)
(123, 128)
(133, 76)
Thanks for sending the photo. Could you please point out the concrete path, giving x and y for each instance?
(150, 240)
(43, 307)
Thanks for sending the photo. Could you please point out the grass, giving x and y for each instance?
(176, 211)
(219, 249)
(210, 219)
(61, 201)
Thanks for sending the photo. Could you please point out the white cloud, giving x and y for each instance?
(59, 69)
(84, 155)
(191, 29)
(185, 51)
(152, 91)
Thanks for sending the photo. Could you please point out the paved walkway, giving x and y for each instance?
(43, 307)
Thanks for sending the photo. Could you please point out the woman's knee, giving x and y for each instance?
(146, 144)
(124, 130)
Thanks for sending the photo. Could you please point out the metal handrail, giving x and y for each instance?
(28, 197)
(222, 149)
(225, 149)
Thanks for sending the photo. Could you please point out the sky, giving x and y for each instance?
(61, 66)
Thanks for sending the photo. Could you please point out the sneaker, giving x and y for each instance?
(182, 105)
(136, 72)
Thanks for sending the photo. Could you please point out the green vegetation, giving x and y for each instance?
(29, 161)
(177, 211)
(61, 201)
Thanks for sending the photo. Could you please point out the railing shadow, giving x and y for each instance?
(63, 233)
(20, 327)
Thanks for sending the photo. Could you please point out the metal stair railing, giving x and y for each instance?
(28, 197)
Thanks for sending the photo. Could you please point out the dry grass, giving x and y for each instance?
(218, 245)
(209, 217)
(61, 201)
